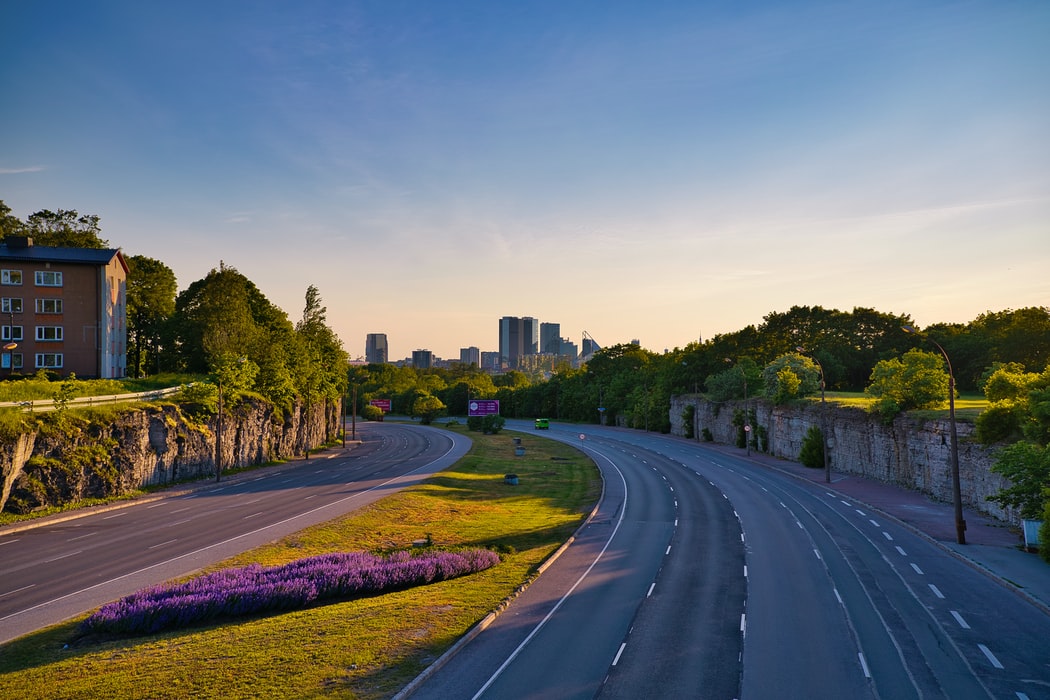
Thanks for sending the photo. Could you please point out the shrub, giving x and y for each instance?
(687, 420)
(1044, 531)
(1027, 466)
(255, 589)
(1000, 422)
(706, 433)
(489, 425)
(812, 452)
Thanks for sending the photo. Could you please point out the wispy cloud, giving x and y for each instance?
(19, 171)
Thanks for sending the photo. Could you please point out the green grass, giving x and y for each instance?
(31, 388)
(967, 406)
(365, 648)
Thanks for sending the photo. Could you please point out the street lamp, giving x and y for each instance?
(960, 524)
(747, 413)
(823, 419)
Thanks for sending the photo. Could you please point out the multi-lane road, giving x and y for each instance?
(58, 570)
(700, 574)
(704, 575)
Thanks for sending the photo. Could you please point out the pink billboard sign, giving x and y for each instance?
(383, 404)
(483, 407)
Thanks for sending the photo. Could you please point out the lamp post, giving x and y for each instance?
(747, 414)
(823, 420)
(960, 524)
(218, 439)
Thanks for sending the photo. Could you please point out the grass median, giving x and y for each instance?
(365, 648)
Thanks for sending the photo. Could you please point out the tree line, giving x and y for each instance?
(221, 325)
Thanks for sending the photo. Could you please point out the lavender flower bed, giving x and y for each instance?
(254, 589)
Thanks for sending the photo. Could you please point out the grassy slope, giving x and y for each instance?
(366, 648)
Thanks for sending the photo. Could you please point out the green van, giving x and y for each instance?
(543, 423)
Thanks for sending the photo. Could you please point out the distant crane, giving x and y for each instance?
(595, 347)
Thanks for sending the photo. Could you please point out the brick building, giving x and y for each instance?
(62, 309)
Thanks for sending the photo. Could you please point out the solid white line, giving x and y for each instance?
(960, 620)
(817, 553)
(936, 591)
(917, 569)
(864, 665)
(990, 655)
(535, 630)
(837, 596)
(17, 590)
(616, 659)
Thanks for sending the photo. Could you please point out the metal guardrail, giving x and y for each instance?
(49, 404)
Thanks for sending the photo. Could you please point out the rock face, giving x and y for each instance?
(907, 452)
(155, 445)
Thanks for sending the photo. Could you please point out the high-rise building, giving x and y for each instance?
(490, 361)
(470, 356)
(511, 346)
(422, 359)
(376, 348)
(550, 339)
(530, 335)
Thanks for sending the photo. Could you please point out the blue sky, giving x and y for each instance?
(660, 171)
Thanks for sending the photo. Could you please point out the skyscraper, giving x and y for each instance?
(470, 356)
(511, 346)
(376, 349)
(550, 338)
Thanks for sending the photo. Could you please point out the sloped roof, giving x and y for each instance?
(74, 256)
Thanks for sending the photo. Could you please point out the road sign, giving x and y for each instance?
(483, 407)
(382, 404)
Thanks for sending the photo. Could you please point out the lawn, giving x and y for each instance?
(364, 648)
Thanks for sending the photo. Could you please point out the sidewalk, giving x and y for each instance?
(991, 545)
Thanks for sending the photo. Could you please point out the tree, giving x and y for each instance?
(790, 376)
(151, 291)
(812, 452)
(1027, 466)
(916, 380)
(65, 228)
(10, 225)
(427, 408)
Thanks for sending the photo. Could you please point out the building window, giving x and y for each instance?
(11, 333)
(11, 305)
(48, 278)
(11, 360)
(51, 360)
(48, 306)
(10, 277)
(49, 333)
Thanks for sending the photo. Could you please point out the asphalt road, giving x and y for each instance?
(705, 575)
(63, 567)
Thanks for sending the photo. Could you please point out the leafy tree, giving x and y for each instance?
(10, 225)
(64, 228)
(151, 291)
(1027, 466)
(916, 380)
(427, 408)
(1007, 389)
(790, 376)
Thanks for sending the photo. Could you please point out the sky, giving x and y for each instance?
(657, 171)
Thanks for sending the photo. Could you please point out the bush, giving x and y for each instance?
(812, 453)
(1044, 531)
(687, 421)
(489, 425)
(1027, 466)
(1000, 422)
(706, 433)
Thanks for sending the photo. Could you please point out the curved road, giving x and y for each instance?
(706, 575)
(58, 568)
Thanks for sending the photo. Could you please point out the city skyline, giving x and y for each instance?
(665, 171)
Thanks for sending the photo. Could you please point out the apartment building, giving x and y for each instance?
(62, 309)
